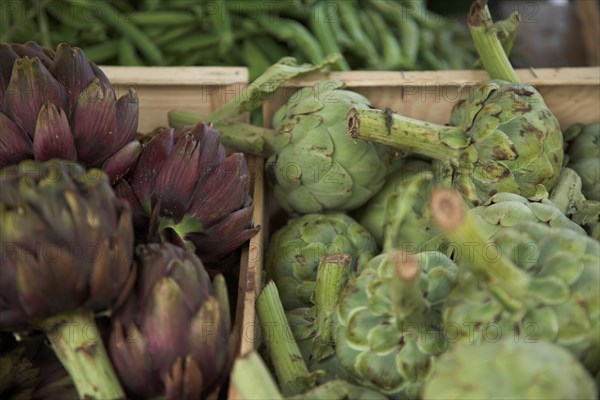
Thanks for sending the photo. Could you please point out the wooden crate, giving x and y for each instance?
(203, 90)
(573, 94)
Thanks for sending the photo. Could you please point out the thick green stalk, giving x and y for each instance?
(290, 368)
(407, 299)
(238, 136)
(398, 131)
(76, 341)
(507, 282)
(332, 275)
(489, 47)
(401, 208)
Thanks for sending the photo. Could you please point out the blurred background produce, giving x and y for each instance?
(371, 34)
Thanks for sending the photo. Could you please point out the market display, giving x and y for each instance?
(403, 259)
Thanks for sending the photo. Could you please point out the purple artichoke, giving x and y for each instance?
(171, 337)
(185, 190)
(61, 105)
(66, 252)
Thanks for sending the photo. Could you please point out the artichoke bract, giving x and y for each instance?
(530, 283)
(186, 190)
(411, 183)
(61, 105)
(66, 252)
(390, 321)
(508, 370)
(296, 249)
(171, 337)
(315, 166)
(504, 210)
(501, 138)
(584, 157)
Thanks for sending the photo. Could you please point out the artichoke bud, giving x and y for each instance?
(61, 105)
(296, 249)
(530, 282)
(388, 328)
(171, 337)
(186, 190)
(316, 167)
(63, 227)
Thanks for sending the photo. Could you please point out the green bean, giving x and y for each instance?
(43, 26)
(370, 31)
(321, 27)
(362, 44)
(102, 52)
(409, 37)
(274, 49)
(293, 31)
(174, 34)
(21, 18)
(202, 40)
(256, 61)
(291, 8)
(127, 54)
(161, 17)
(445, 47)
(124, 6)
(392, 52)
(116, 20)
(221, 25)
(152, 5)
(204, 57)
(68, 16)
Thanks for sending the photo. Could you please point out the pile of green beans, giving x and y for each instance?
(370, 34)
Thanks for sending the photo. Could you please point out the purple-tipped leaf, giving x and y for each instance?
(120, 163)
(15, 145)
(127, 118)
(53, 138)
(154, 154)
(71, 68)
(95, 124)
(177, 178)
(30, 86)
(223, 191)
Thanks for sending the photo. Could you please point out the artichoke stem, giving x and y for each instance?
(489, 47)
(77, 343)
(290, 368)
(235, 135)
(407, 300)
(506, 281)
(407, 134)
(332, 275)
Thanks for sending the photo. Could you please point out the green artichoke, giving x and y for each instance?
(66, 252)
(411, 183)
(171, 337)
(315, 166)
(508, 370)
(390, 321)
(501, 138)
(583, 149)
(61, 105)
(295, 251)
(532, 282)
(186, 190)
